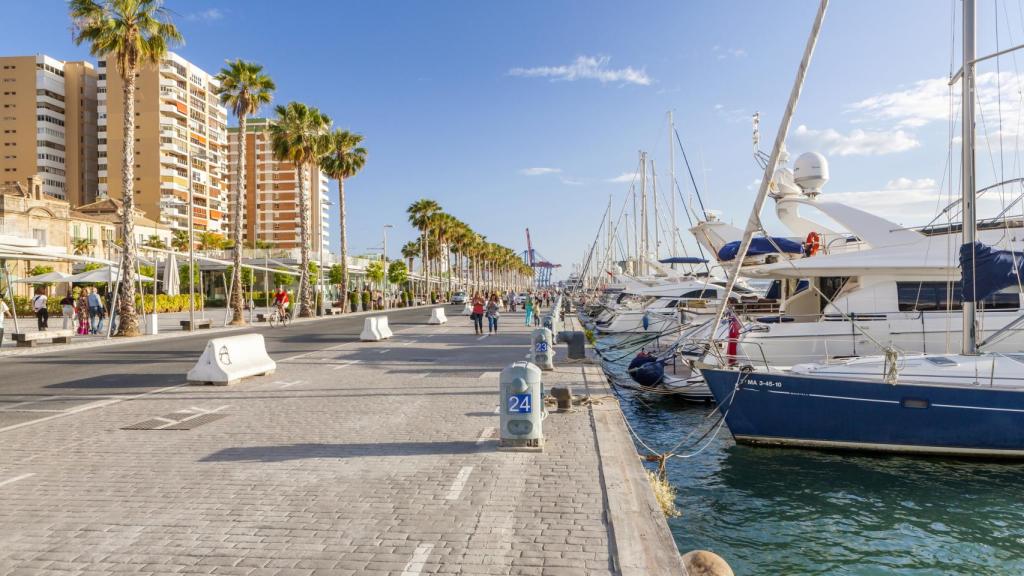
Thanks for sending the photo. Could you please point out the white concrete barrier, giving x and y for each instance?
(227, 360)
(467, 309)
(384, 328)
(437, 316)
(375, 329)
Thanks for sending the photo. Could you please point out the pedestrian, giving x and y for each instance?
(83, 311)
(95, 311)
(477, 314)
(67, 310)
(4, 312)
(493, 311)
(511, 300)
(536, 309)
(528, 305)
(39, 307)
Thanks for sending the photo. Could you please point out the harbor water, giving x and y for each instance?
(787, 511)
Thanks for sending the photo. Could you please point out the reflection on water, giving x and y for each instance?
(786, 511)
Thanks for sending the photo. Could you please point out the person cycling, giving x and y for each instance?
(281, 301)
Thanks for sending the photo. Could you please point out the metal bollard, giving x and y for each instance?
(522, 408)
(577, 342)
(543, 349)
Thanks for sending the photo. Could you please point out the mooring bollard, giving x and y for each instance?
(522, 408)
(563, 395)
(577, 344)
(543, 349)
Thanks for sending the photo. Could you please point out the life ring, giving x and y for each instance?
(813, 243)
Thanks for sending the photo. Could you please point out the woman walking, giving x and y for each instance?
(493, 307)
(83, 312)
(478, 313)
(528, 304)
(67, 310)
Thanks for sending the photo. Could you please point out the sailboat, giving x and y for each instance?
(967, 404)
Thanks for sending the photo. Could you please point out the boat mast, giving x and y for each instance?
(657, 220)
(754, 221)
(643, 213)
(672, 179)
(970, 336)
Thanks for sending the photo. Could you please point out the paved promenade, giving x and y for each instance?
(353, 458)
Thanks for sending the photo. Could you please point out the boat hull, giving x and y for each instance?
(810, 411)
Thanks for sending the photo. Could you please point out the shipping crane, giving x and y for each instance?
(541, 266)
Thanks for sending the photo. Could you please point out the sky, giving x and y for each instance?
(531, 114)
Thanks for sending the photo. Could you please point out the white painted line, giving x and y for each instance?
(486, 375)
(384, 351)
(459, 483)
(497, 409)
(486, 434)
(484, 336)
(292, 383)
(345, 364)
(407, 342)
(16, 478)
(419, 558)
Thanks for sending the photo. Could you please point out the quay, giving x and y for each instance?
(353, 458)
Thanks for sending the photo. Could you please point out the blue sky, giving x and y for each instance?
(522, 114)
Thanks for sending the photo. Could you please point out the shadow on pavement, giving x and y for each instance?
(288, 452)
(121, 382)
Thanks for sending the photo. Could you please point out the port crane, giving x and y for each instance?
(541, 266)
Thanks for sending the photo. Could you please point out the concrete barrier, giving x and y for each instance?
(227, 360)
(437, 316)
(371, 330)
(467, 309)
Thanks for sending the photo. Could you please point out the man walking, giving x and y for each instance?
(95, 311)
(39, 307)
(4, 311)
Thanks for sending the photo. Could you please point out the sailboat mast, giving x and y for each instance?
(970, 336)
(657, 220)
(672, 179)
(643, 213)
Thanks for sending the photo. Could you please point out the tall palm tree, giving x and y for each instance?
(344, 159)
(244, 87)
(410, 250)
(298, 136)
(420, 214)
(131, 33)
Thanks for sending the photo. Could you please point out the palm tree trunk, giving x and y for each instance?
(344, 245)
(426, 264)
(237, 317)
(129, 322)
(305, 298)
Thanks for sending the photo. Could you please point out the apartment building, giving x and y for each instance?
(180, 140)
(270, 207)
(48, 125)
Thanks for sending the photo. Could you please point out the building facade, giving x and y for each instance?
(180, 141)
(270, 205)
(48, 125)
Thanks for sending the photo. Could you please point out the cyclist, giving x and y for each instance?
(281, 301)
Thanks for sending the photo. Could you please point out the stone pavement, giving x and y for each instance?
(357, 458)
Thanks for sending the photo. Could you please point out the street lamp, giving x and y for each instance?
(191, 241)
(385, 256)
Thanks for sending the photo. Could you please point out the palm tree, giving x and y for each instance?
(157, 242)
(244, 87)
(420, 214)
(298, 136)
(180, 241)
(344, 159)
(132, 33)
(410, 250)
(81, 246)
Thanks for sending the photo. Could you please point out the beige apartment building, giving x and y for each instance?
(270, 206)
(180, 138)
(48, 125)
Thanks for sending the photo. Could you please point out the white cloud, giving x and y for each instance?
(208, 15)
(857, 142)
(570, 181)
(539, 171)
(723, 53)
(586, 68)
(624, 177)
(902, 183)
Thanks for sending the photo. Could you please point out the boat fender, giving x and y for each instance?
(734, 337)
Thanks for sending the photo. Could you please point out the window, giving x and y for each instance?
(39, 234)
(942, 296)
(705, 293)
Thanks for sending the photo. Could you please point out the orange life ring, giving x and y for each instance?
(813, 243)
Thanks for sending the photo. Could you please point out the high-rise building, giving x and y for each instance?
(271, 208)
(180, 138)
(48, 125)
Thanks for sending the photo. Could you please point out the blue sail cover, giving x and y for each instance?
(682, 260)
(760, 246)
(990, 269)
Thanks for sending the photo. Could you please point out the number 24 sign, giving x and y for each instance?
(519, 404)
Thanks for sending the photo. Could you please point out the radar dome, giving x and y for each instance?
(810, 172)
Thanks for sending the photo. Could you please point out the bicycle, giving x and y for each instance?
(277, 319)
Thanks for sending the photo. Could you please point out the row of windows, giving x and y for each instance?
(54, 171)
(49, 94)
(45, 131)
(942, 296)
(49, 68)
(51, 158)
(48, 144)
(50, 119)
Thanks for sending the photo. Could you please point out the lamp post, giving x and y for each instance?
(191, 241)
(385, 256)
